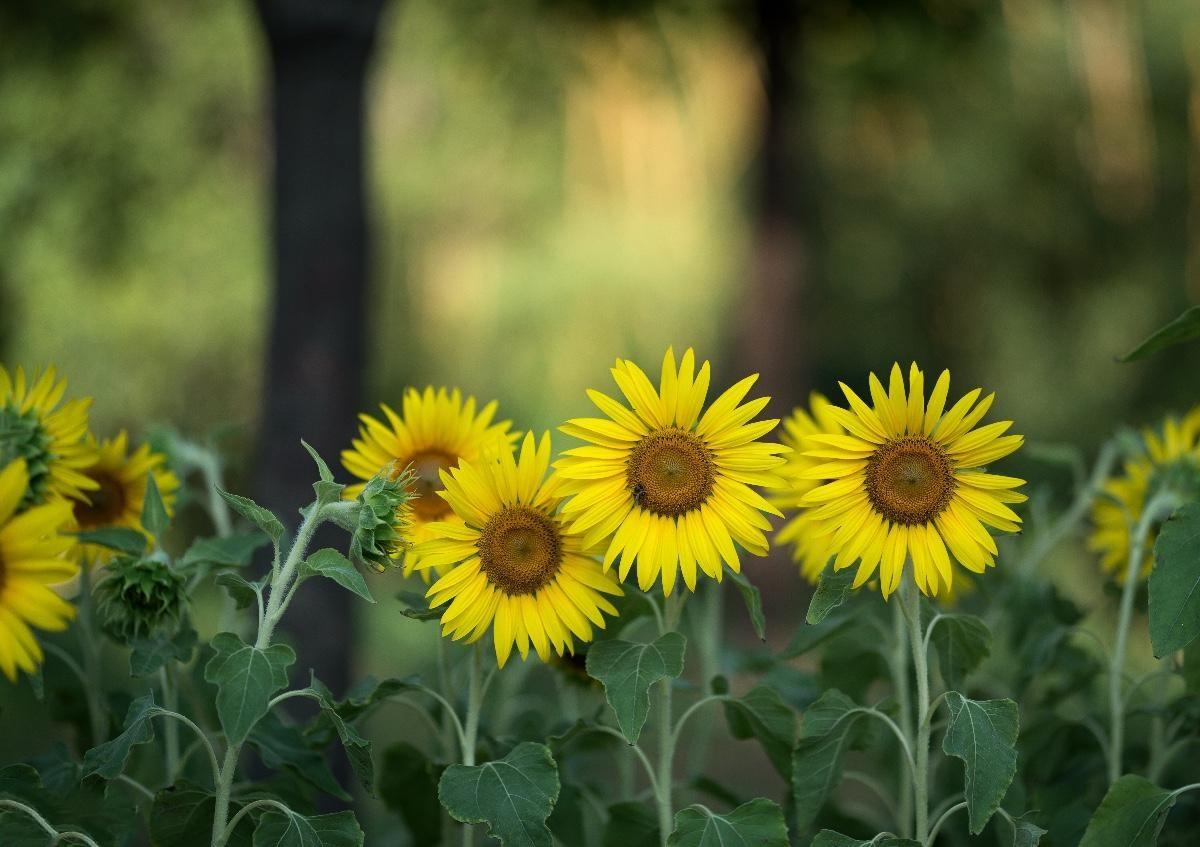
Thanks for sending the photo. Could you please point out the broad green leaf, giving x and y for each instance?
(55, 789)
(631, 825)
(627, 671)
(829, 838)
(1131, 814)
(415, 606)
(17, 829)
(147, 655)
(326, 489)
(408, 787)
(753, 600)
(154, 511)
(758, 823)
(276, 829)
(234, 551)
(810, 636)
(1175, 582)
(1184, 328)
(128, 541)
(246, 679)
(1191, 668)
(370, 692)
(832, 590)
(513, 796)
(182, 814)
(762, 714)
(280, 746)
(961, 642)
(256, 514)
(108, 759)
(358, 749)
(332, 564)
(1025, 833)
(983, 733)
(243, 592)
(828, 730)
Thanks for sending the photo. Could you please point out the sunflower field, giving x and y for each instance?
(938, 688)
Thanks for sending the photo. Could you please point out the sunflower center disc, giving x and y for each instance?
(909, 480)
(105, 505)
(520, 550)
(426, 504)
(670, 472)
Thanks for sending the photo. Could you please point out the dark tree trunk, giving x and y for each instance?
(772, 340)
(319, 51)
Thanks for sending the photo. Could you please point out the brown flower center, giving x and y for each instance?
(105, 505)
(909, 480)
(520, 549)
(670, 472)
(426, 504)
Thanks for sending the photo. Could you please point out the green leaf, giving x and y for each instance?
(829, 729)
(108, 759)
(762, 714)
(753, 600)
(513, 795)
(983, 733)
(246, 679)
(627, 671)
(1131, 814)
(1025, 832)
(256, 514)
(408, 787)
(234, 551)
(829, 838)
(154, 511)
(332, 564)
(281, 746)
(147, 655)
(243, 592)
(832, 590)
(1191, 669)
(1175, 582)
(631, 825)
(758, 823)
(1184, 328)
(358, 749)
(128, 541)
(810, 636)
(369, 692)
(417, 607)
(327, 490)
(961, 642)
(277, 829)
(17, 829)
(182, 815)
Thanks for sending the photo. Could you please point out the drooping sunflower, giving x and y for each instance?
(51, 440)
(31, 560)
(809, 547)
(672, 486)
(1172, 451)
(906, 481)
(515, 564)
(434, 432)
(119, 493)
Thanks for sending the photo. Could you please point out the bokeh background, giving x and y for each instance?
(810, 190)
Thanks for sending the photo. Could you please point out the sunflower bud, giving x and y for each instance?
(384, 518)
(140, 598)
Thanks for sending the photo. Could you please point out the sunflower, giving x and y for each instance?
(809, 550)
(672, 486)
(1172, 454)
(435, 432)
(51, 441)
(31, 560)
(905, 482)
(516, 565)
(120, 488)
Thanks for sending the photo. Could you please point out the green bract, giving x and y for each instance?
(381, 520)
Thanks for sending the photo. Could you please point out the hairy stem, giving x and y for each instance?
(903, 687)
(911, 598)
(471, 726)
(89, 642)
(666, 733)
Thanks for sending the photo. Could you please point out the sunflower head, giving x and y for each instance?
(1169, 458)
(383, 521)
(140, 597)
(510, 561)
(433, 432)
(903, 480)
(48, 435)
(669, 482)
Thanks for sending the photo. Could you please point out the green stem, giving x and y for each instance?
(89, 642)
(911, 599)
(666, 734)
(471, 726)
(936, 828)
(708, 638)
(171, 731)
(903, 686)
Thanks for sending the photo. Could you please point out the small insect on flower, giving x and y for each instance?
(382, 532)
(1171, 456)
(670, 486)
(905, 482)
(140, 598)
(516, 566)
(434, 432)
(32, 558)
(48, 437)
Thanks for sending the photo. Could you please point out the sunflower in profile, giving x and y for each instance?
(1171, 455)
(515, 565)
(119, 493)
(50, 438)
(31, 560)
(670, 485)
(906, 481)
(809, 549)
(433, 433)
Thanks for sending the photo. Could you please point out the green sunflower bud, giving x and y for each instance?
(384, 518)
(140, 598)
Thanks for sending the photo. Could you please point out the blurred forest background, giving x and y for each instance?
(1009, 188)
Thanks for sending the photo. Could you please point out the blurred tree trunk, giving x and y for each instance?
(773, 337)
(320, 50)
